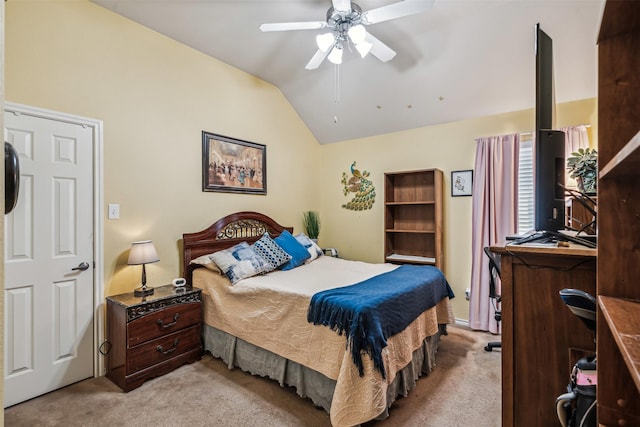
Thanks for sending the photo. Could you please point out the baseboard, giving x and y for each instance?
(462, 322)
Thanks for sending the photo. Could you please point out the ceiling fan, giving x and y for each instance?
(346, 24)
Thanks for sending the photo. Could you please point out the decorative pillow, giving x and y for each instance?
(240, 261)
(299, 253)
(268, 249)
(205, 261)
(311, 246)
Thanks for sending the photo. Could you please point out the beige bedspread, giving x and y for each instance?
(270, 311)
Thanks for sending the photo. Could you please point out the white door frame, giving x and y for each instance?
(98, 217)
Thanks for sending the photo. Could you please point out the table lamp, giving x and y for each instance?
(143, 252)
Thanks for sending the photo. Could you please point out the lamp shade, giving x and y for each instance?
(142, 252)
(364, 48)
(357, 33)
(325, 41)
(335, 56)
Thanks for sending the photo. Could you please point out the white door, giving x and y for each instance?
(48, 243)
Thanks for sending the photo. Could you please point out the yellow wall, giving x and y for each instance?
(155, 97)
(449, 147)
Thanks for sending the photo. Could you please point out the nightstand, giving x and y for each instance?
(153, 335)
(331, 252)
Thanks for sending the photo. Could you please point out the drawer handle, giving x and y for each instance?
(168, 325)
(171, 350)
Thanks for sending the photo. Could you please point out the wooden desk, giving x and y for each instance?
(541, 338)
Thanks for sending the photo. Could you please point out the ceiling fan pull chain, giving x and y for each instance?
(336, 81)
(336, 88)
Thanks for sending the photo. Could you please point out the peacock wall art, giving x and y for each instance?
(358, 183)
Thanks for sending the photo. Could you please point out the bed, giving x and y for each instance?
(260, 325)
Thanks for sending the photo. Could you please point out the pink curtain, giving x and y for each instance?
(495, 216)
(575, 137)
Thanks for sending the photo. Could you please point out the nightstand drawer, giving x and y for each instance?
(159, 350)
(162, 322)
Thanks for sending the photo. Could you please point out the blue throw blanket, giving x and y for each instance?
(371, 311)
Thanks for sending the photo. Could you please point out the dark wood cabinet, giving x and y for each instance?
(153, 335)
(618, 322)
(580, 214)
(541, 338)
(413, 217)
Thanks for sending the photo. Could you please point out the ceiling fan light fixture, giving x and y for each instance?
(325, 41)
(335, 56)
(364, 48)
(357, 34)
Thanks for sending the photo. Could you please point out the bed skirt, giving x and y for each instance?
(308, 383)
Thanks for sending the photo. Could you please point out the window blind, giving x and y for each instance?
(525, 186)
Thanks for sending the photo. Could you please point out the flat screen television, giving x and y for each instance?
(549, 155)
(549, 180)
(545, 86)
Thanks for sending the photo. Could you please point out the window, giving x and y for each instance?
(525, 185)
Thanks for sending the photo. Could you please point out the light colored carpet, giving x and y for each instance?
(462, 390)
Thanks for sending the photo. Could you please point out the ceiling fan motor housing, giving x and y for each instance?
(341, 21)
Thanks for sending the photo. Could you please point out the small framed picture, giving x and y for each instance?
(461, 183)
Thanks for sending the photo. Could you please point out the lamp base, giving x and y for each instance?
(143, 291)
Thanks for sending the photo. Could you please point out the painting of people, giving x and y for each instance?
(232, 165)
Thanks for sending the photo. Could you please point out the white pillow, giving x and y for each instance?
(240, 261)
(207, 262)
(311, 246)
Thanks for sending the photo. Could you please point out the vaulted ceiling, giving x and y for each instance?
(461, 59)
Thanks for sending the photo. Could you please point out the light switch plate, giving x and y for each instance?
(114, 211)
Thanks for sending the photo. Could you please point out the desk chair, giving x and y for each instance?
(494, 273)
(582, 304)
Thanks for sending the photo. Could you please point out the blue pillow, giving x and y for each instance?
(268, 249)
(299, 253)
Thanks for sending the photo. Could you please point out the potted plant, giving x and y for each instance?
(311, 224)
(583, 167)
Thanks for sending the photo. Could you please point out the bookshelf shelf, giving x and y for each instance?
(413, 217)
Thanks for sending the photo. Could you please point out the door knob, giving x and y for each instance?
(82, 266)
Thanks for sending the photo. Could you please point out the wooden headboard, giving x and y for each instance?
(225, 233)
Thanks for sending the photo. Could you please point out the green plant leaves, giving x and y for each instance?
(583, 167)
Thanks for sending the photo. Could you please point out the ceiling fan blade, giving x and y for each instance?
(342, 5)
(396, 10)
(317, 59)
(380, 50)
(288, 26)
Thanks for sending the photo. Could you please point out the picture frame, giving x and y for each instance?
(461, 183)
(231, 165)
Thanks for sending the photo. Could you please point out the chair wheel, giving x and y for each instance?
(488, 348)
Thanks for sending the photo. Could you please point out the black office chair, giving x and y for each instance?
(494, 273)
(582, 304)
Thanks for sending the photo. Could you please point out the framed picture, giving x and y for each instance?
(461, 183)
(231, 165)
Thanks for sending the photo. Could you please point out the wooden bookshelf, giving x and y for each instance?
(618, 324)
(413, 217)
